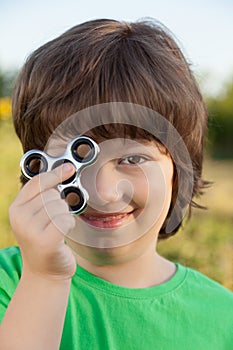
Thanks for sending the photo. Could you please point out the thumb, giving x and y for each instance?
(45, 181)
(57, 175)
(66, 171)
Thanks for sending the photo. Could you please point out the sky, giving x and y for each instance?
(203, 29)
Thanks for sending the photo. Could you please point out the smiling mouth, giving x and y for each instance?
(109, 221)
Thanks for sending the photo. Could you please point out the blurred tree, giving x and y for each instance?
(221, 123)
(6, 85)
(7, 80)
(1, 84)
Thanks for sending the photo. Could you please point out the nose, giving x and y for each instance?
(106, 185)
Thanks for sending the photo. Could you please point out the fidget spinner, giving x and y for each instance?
(81, 152)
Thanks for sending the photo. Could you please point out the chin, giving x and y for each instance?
(109, 256)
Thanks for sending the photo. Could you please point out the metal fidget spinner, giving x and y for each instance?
(81, 152)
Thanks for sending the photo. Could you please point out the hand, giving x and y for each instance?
(40, 219)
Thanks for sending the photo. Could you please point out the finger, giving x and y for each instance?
(39, 202)
(48, 215)
(30, 208)
(56, 176)
(44, 199)
(53, 208)
(42, 216)
(62, 223)
(44, 181)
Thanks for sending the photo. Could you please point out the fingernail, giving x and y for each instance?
(67, 167)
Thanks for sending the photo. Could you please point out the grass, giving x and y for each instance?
(204, 243)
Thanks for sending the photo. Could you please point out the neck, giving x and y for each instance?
(147, 270)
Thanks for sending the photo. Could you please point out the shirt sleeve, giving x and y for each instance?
(10, 272)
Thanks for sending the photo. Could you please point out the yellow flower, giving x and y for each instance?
(5, 108)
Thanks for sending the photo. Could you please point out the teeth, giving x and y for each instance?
(106, 218)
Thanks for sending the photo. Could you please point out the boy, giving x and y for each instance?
(95, 281)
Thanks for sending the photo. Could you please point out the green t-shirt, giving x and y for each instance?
(189, 311)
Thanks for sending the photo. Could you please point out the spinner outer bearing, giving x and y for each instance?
(48, 163)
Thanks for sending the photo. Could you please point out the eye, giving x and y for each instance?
(133, 160)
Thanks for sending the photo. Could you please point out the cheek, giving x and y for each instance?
(153, 186)
(141, 190)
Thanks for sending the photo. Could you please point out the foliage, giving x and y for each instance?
(7, 80)
(6, 85)
(221, 123)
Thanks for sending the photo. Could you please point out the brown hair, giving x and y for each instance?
(104, 61)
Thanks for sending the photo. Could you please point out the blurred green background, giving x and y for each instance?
(206, 241)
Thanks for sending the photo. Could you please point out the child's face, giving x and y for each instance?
(130, 189)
